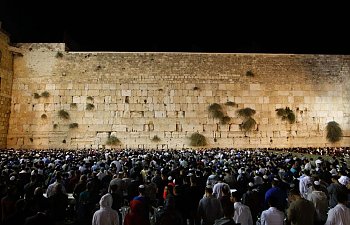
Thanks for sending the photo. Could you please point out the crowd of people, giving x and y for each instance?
(165, 187)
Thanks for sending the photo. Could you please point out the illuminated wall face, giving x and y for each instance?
(6, 72)
(136, 97)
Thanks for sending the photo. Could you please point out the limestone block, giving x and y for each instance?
(255, 87)
(50, 87)
(38, 107)
(208, 93)
(159, 114)
(126, 92)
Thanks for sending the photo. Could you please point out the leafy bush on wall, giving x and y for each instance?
(286, 114)
(73, 125)
(155, 138)
(334, 132)
(112, 140)
(63, 114)
(90, 106)
(198, 139)
(45, 94)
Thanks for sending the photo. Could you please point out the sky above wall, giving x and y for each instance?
(176, 28)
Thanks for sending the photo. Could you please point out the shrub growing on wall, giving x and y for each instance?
(246, 112)
(112, 140)
(334, 132)
(248, 124)
(63, 114)
(45, 94)
(36, 95)
(90, 98)
(286, 114)
(198, 139)
(90, 106)
(216, 111)
(155, 138)
(73, 125)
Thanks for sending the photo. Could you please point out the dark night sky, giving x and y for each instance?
(93, 27)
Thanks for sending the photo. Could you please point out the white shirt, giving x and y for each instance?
(339, 215)
(218, 187)
(303, 185)
(242, 214)
(272, 216)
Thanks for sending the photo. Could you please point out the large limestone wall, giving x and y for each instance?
(6, 74)
(139, 95)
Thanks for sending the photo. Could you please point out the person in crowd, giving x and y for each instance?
(169, 215)
(272, 216)
(106, 215)
(229, 211)
(242, 215)
(320, 201)
(52, 187)
(209, 207)
(300, 211)
(340, 214)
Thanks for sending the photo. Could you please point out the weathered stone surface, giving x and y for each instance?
(138, 95)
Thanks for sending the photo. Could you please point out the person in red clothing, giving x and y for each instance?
(136, 214)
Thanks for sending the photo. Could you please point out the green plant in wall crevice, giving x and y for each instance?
(246, 112)
(248, 124)
(198, 140)
(155, 138)
(286, 114)
(216, 111)
(36, 95)
(73, 125)
(112, 140)
(90, 106)
(334, 132)
(63, 114)
(45, 94)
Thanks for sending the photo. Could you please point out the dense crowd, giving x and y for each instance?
(165, 187)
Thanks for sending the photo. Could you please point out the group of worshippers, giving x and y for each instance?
(206, 186)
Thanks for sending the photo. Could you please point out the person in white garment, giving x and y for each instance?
(106, 215)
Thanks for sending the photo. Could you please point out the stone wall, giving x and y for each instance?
(6, 73)
(136, 96)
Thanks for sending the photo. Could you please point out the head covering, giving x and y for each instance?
(106, 201)
(316, 182)
(344, 180)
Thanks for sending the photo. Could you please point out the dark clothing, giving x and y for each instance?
(301, 212)
(58, 204)
(38, 219)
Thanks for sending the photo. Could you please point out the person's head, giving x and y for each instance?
(142, 189)
(272, 201)
(236, 196)
(106, 201)
(38, 191)
(293, 194)
(342, 197)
